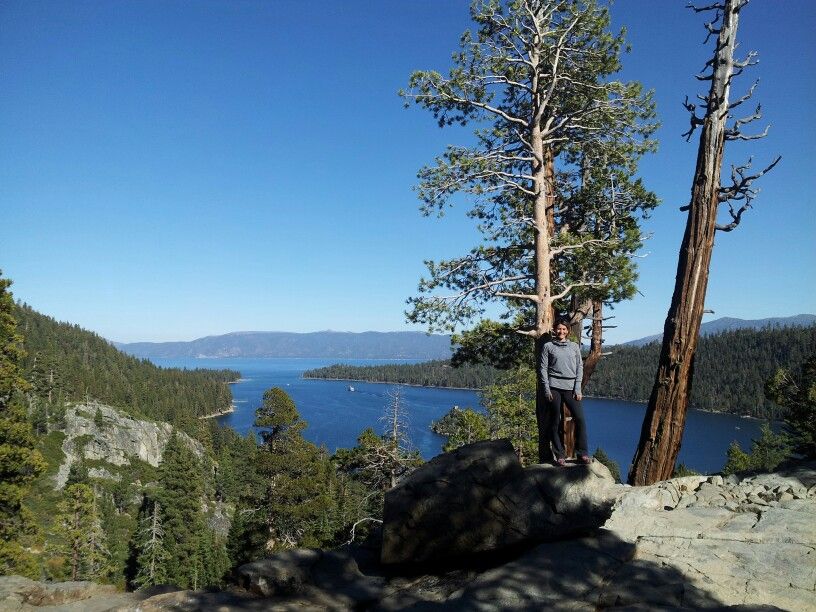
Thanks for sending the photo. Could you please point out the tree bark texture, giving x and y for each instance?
(663, 425)
(595, 343)
(542, 171)
(567, 432)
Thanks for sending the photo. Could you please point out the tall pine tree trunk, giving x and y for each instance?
(595, 342)
(662, 430)
(544, 219)
(543, 172)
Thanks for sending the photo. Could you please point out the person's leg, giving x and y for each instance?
(554, 408)
(577, 410)
(545, 454)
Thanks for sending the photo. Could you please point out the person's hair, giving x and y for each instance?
(562, 321)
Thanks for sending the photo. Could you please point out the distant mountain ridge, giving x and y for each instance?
(324, 344)
(730, 323)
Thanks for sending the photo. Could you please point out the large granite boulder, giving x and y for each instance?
(479, 498)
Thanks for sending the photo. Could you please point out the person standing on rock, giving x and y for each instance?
(561, 370)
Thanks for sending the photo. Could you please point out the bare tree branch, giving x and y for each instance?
(354, 527)
(574, 285)
(717, 6)
(694, 119)
(745, 97)
(740, 190)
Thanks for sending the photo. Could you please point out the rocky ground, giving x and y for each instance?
(688, 543)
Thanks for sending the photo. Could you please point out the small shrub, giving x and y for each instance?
(683, 470)
(766, 453)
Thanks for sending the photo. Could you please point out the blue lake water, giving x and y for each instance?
(336, 416)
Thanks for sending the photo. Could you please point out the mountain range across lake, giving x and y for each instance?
(372, 344)
(731, 323)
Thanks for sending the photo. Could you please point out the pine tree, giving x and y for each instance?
(372, 467)
(460, 427)
(767, 452)
(82, 541)
(20, 463)
(180, 495)
(550, 172)
(298, 476)
(663, 425)
(212, 561)
(798, 396)
(511, 412)
(152, 554)
(45, 378)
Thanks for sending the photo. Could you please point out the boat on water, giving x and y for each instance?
(350, 388)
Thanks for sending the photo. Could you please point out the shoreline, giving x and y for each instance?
(215, 415)
(387, 382)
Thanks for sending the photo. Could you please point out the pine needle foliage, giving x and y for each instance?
(82, 541)
(20, 462)
(797, 396)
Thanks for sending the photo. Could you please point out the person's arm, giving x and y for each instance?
(579, 372)
(543, 366)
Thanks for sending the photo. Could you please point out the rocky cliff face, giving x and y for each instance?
(96, 432)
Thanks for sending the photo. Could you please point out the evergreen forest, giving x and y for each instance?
(550, 177)
(65, 363)
(730, 369)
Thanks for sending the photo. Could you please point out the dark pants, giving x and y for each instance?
(545, 454)
(577, 410)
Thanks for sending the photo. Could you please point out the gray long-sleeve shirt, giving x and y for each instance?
(561, 366)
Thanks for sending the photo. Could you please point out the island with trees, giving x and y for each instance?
(438, 373)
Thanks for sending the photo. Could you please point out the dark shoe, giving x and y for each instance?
(585, 459)
(561, 462)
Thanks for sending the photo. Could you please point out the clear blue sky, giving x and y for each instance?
(174, 169)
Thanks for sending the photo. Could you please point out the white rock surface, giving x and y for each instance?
(745, 542)
(117, 441)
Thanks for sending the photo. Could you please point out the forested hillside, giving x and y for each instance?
(67, 363)
(730, 369)
(438, 373)
(92, 493)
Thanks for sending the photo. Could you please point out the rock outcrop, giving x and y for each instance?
(97, 432)
(742, 541)
(709, 543)
(18, 593)
(479, 498)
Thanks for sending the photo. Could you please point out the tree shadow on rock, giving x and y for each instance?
(592, 573)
